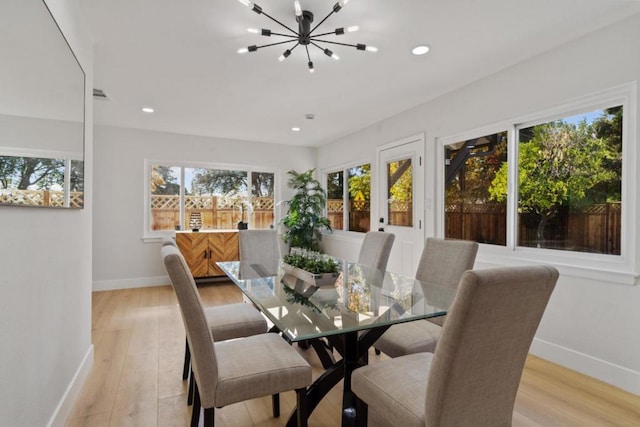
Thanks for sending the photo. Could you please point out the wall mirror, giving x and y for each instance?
(42, 88)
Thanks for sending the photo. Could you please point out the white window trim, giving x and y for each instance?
(345, 193)
(621, 269)
(149, 236)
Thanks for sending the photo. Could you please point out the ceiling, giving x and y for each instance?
(180, 57)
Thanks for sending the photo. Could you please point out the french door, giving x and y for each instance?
(401, 196)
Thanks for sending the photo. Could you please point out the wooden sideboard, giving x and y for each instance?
(202, 249)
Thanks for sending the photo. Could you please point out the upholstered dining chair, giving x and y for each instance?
(260, 247)
(233, 371)
(226, 322)
(444, 262)
(474, 374)
(168, 241)
(375, 249)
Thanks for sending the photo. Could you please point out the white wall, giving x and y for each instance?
(121, 258)
(591, 325)
(45, 287)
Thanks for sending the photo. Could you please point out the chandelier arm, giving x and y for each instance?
(275, 44)
(325, 34)
(320, 23)
(279, 23)
(284, 35)
(330, 42)
(313, 43)
(307, 49)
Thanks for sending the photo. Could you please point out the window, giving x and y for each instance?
(219, 196)
(355, 197)
(41, 181)
(472, 210)
(570, 182)
(549, 183)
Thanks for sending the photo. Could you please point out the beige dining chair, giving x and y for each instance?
(233, 371)
(443, 261)
(375, 249)
(261, 248)
(226, 322)
(474, 374)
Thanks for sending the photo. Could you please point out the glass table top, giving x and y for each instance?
(361, 298)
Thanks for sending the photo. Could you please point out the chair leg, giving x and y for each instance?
(187, 360)
(275, 404)
(209, 417)
(301, 397)
(192, 390)
(195, 414)
(361, 413)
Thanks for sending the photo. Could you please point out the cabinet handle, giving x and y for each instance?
(210, 253)
(205, 253)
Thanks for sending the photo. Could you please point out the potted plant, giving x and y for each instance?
(304, 220)
(311, 267)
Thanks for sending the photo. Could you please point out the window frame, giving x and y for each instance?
(149, 235)
(344, 168)
(613, 268)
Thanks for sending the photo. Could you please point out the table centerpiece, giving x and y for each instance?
(311, 267)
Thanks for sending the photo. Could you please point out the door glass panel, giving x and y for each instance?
(400, 193)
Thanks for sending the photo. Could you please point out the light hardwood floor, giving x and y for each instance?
(136, 379)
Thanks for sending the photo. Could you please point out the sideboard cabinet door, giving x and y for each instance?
(202, 250)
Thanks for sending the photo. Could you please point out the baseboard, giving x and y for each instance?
(610, 373)
(63, 410)
(140, 282)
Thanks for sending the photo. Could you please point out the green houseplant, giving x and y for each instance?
(304, 220)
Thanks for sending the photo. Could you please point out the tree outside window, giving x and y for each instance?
(569, 183)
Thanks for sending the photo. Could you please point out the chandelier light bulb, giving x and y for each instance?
(311, 69)
(342, 2)
(372, 49)
(247, 3)
(420, 50)
(334, 56)
(243, 50)
(297, 7)
(253, 31)
(352, 29)
(284, 55)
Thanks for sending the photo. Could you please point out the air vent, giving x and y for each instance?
(100, 94)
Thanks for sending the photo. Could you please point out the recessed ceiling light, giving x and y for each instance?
(295, 129)
(420, 50)
(147, 110)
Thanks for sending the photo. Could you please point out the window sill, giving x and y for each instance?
(585, 266)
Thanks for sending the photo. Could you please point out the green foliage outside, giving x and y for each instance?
(401, 181)
(563, 164)
(304, 220)
(218, 181)
(25, 173)
(335, 185)
(360, 182)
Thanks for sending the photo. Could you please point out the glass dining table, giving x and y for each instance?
(346, 317)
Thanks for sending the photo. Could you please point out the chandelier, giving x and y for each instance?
(305, 35)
